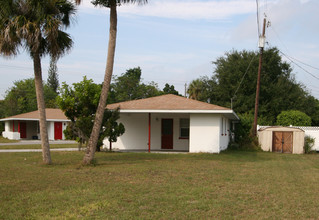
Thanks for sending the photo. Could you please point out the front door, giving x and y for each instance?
(57, 130)
(282, 141)
(167, 133)
(23, 129)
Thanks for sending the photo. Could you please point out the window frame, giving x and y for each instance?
(182, 126)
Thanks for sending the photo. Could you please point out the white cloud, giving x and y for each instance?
(285, 16)
(189, 10)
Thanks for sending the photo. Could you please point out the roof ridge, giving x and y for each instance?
(166, 101)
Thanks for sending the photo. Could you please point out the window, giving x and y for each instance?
(184, 128)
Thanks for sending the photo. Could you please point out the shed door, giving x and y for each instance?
(282, 141)
(167, 133)
(57, 130)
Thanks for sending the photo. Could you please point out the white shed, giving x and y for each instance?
(282, 139)
(174, 123)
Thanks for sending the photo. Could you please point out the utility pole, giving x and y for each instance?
(261, 48)
(185, 89)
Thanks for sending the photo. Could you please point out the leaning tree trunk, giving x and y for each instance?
(41, 108)
(91, 148)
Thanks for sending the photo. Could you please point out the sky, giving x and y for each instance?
(176, 42)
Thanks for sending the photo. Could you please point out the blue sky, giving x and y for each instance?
(176, 41)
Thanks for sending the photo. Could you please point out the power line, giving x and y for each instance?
(277, 35)
(299, 65)
(242, 79)
(304, 63)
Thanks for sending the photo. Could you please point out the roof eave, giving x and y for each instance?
(230, 113)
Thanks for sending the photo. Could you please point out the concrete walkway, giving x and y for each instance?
(36, 150)
(32, 142)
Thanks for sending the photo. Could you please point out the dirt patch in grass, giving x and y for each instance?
(160, 186)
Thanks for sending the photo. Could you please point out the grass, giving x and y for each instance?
(230, 185)
(37, 146)
(6, 140)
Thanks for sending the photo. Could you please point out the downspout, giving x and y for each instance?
(149, 132)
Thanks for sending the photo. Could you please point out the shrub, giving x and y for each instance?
(309, 143)
(243, 138)
(293, 117)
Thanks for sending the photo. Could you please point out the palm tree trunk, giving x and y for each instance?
(91, 148)
(41, 107)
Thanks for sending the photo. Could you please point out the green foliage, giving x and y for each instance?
(293, 117)
(309, 143)
(243, 138)
(79, 104)
(53, 77)
(21, 98)
(278, 92)
(196, 90)
(170, 89)
(111, 128)
(35, 25)
(128, 86)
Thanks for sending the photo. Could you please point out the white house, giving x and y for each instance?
(171, 122)
(26, 126)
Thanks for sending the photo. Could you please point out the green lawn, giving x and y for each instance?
(230, 185)
(37, 146)
(6, 140)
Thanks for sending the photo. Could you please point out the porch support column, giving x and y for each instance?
(13, 125)
(149, 132)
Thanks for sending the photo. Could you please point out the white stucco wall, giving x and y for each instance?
(315, 135)
(50, 126)
(205, 133)
(156, 142)
(11, 135)
(225, 133)
(136, 132)
(208, 132)
(64, 125)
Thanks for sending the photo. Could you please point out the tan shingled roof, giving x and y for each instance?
(51, 114)
(165, 102)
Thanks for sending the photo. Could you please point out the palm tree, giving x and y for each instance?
(112, 4)
(36, 25)
(195, 89)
